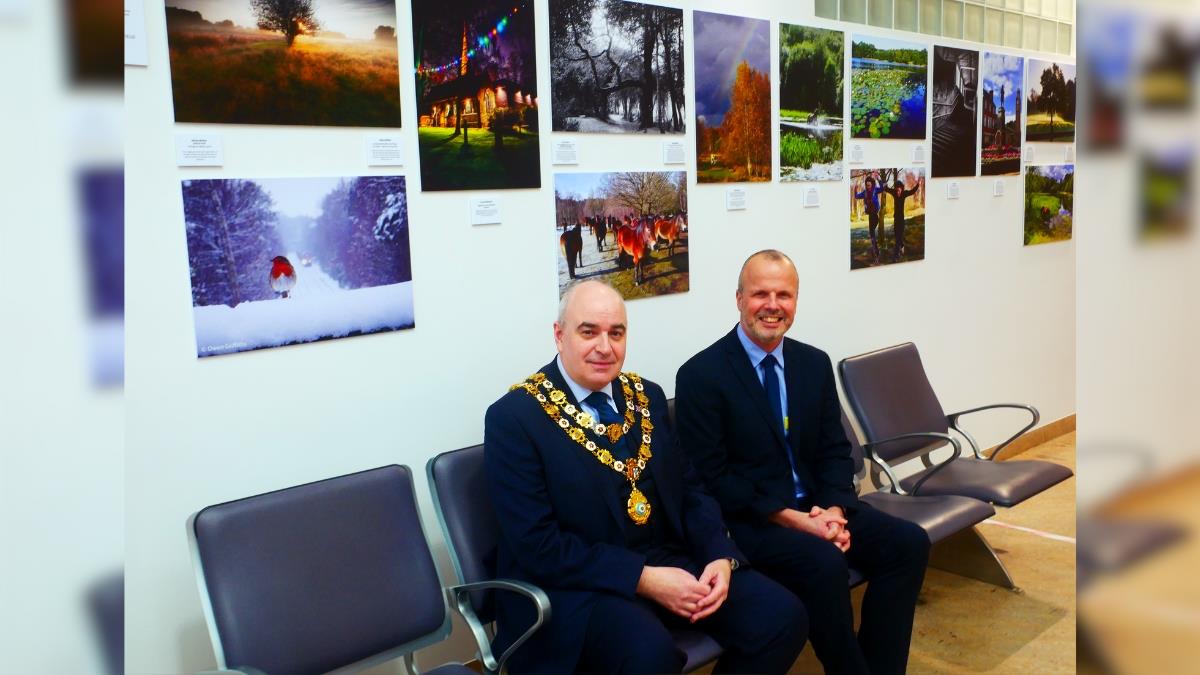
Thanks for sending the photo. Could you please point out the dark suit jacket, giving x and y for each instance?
(724, 423)
(561, 524)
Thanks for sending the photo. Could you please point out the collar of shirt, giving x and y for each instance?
(580, 392)
(757, 354)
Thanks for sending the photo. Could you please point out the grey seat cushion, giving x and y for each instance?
(1108, 545)
(700, 648)
(1005, 483)
(940, 515)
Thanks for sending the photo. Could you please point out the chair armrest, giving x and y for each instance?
(952, 419)
(869, 449)
(461, 597)
(241, 670)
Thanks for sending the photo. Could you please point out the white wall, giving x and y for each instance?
(994, 321)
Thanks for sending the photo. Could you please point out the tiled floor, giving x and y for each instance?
(1146, 617)
(967, 626)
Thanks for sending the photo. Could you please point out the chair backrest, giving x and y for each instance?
(468, 520)
(890, 396)
(856, 449)
(671, 413)
(106, 600)
(328, 575)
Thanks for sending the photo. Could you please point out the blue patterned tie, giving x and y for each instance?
(599, 402)
(771, 384)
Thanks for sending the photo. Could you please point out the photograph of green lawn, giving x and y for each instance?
(1049, 203)
(1050, 108)
(477, 94)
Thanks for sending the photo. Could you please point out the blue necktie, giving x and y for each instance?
(599, 402)
(771, 384)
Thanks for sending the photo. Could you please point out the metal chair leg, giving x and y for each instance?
(968, 554)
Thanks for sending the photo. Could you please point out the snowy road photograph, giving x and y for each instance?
(282, 261)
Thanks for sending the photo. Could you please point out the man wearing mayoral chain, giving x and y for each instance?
(599, 507)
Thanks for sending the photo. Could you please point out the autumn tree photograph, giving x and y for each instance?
(616, 67)
(303, 62)
(477, 94)
(733, 98)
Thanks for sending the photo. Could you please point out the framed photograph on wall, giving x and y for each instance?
(628, 228)
(616, 67)
(888, 82)
(887, 216)
(1049, 203)
(733, 98)
(1000, 115)
(1050, 106)
(477, 94)
(281, 261)
(955, 114)
(811, 77)
(309, 62)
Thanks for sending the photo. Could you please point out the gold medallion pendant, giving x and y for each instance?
(638, 507)
(557, 406)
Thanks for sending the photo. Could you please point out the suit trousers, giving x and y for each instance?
(890, 552)
(761, 627)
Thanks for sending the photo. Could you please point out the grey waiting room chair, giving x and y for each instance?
(902, 419)
(332, 576)
(472, 535)
(949, 520)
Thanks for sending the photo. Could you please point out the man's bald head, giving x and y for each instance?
(590, 333)
(767, 254)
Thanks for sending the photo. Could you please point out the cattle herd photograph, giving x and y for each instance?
(628, 228)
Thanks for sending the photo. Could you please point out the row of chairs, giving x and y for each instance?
(338, 575)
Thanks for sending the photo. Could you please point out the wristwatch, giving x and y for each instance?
(733, 564)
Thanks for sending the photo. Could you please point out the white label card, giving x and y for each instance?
(1069, 154)
(735, 199)
(673, 152)
(1029, 154)
(952, 190)
(199, 150)
(484, 210)
(565, 151)
(918, 154)
(856, 154)
(135, 33)
(998, 188)
(384, 151)
(812, 197)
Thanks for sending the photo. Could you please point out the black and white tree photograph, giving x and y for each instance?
(616, 67)
(280, 261)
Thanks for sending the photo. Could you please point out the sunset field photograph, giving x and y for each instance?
(302, 62)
